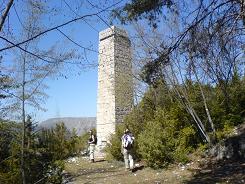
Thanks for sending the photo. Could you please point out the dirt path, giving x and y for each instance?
(81, 171)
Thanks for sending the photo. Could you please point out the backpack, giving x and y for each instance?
(128, 141)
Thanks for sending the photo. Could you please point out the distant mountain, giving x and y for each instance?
(81, 125)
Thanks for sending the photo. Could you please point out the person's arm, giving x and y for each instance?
(133, 137)
(122, 145)
(89, 142)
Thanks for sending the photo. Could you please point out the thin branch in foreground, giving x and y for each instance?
(54, 28)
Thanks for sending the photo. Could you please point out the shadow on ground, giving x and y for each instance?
(228, 171)
(102, 160)
(138, 168)
(105, 172)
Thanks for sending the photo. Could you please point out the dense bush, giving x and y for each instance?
(113, 149)
(9, 152)
(164, 141)
(156, 143)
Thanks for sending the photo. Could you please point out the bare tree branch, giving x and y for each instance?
(5, 14)
(54, 28)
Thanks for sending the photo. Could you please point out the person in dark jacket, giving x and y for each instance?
(92, 143)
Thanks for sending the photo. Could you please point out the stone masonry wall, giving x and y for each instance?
(115, 90)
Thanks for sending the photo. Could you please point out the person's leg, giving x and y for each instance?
(126, 161)
(91, 154)
(131, 161)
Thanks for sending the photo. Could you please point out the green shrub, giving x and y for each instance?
(157, 142)
(164, 141)
(54, 173)
(154, 146)
(185, 144)
(113, 149)
(226, 131)
(82, 144)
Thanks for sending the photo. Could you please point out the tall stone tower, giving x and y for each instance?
(115, 81)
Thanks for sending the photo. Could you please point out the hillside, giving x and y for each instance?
(81, 124)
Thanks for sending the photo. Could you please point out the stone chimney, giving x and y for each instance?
(115, 82)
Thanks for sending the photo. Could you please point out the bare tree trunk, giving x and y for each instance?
(188, 107)
(204, 101)
(4, 16)
(196, 118)
(242, 5)
(23, 124)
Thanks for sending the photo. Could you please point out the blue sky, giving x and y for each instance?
(71, 97)
(74, 95)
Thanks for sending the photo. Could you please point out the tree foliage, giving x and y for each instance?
(139, 9)
(45, 151)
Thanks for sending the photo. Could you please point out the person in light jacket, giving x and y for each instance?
(127, 149)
